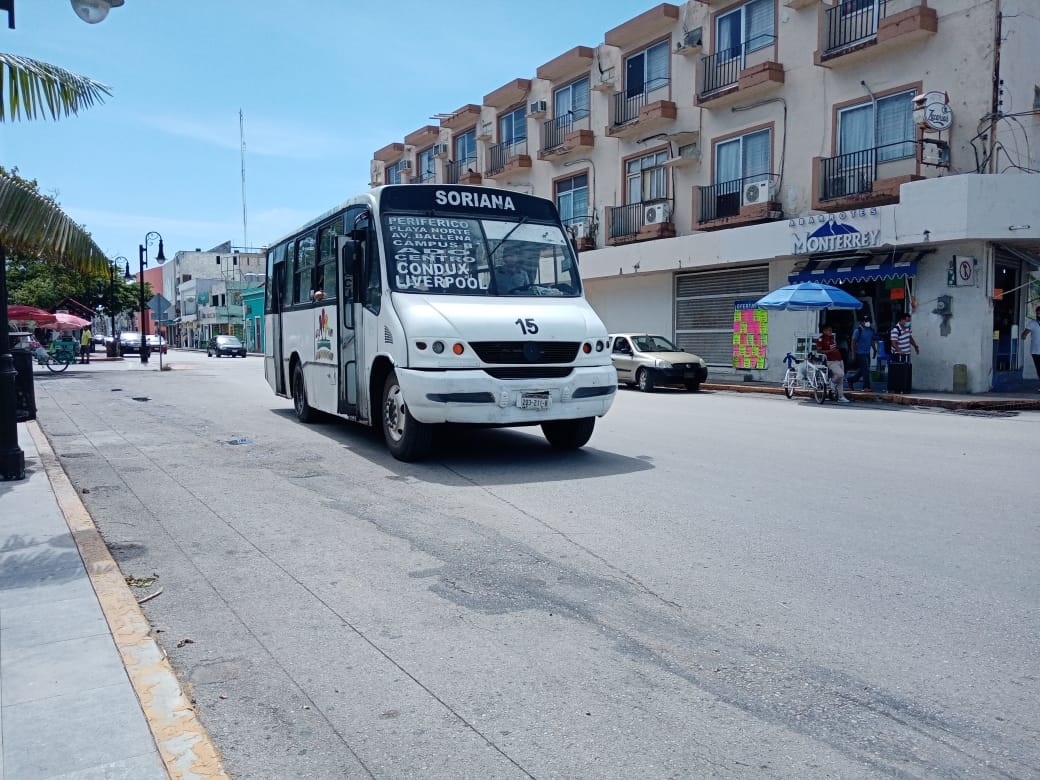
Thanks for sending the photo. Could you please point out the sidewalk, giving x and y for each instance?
(84, 689)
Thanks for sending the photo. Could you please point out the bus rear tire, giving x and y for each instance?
(569, 434)
(406, 438)
(304, 411)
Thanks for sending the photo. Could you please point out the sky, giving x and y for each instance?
(321, 84)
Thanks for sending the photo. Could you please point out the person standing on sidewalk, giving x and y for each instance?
(828, 347)
(1032, 328)
(86, 342)
(863, 347)
(902, 339)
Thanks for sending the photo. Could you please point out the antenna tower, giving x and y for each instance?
(242, 137)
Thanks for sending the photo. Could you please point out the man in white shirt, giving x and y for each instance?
(1032, 327)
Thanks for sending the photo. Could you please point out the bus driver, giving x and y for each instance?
(511, 275)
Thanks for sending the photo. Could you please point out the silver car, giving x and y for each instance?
(648, 361)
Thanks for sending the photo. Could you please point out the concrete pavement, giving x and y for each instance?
(85, 691)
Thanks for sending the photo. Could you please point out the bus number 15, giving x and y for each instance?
(528, 326)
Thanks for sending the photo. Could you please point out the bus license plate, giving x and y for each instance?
(536, 401)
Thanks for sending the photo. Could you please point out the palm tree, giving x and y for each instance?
(31, 223)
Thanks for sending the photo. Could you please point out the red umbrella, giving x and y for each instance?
(19, 313)
(66, 321)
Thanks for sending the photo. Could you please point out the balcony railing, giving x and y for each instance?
(852, 22)
(424, 177)
(725, 199)
(627, 107)
(722, 69)
(556, 130)
(625, 221)
(855, 173)
(500, 154)
(456, 169)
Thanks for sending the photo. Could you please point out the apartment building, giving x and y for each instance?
(706, 153)
(205, 289)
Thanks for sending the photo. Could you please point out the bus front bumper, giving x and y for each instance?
(472, 396)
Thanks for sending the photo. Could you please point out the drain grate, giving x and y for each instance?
(239, 440)
(141, 398)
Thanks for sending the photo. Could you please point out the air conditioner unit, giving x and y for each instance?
(440, 150)
(755, 192)
(693, 38)
(405, 166)
(657, 214)
(579, 229)
(538, 107)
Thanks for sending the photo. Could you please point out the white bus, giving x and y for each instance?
(414, 305)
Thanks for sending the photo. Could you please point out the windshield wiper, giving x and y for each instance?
(505, 238)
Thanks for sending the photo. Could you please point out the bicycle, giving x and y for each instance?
(58, 357)
(808, 374)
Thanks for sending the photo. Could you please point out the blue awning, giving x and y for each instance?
(853, 269)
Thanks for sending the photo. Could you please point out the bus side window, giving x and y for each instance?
(304, 272)
(325, 280)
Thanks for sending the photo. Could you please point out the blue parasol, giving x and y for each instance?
(808, 296)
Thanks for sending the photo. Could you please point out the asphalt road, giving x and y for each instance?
(719, 585)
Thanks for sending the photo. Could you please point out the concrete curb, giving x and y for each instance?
(186, 749)
(958, 404)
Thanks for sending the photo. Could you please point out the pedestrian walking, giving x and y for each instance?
(86, 342)
(1032, 328)
(863, 348)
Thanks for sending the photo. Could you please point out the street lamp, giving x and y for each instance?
(142, 251)
(94, 11)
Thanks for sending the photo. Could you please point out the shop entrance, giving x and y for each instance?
(1007, 353)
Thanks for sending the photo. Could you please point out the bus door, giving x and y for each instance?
(351, 254)
(274, 328)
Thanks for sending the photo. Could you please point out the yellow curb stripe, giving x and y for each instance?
(183, 743)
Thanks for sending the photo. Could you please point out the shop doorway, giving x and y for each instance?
(1007, 353)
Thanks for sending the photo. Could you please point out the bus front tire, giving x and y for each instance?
(569, 434)
(406, 438)
(304, 411)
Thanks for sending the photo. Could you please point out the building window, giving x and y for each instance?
(427, 167)
(465, 146)
(572, 199)
(647, 70)
(743, 157)
(512, 128)
(745, 29)
(646, 178)
(886, 125)
(394, 173)
(571, 103)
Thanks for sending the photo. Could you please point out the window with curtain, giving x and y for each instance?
(394, 173)
(572, 198)
(647, 70)
(512, 127)
(646, 178)
(466, 146)
(745, 29)
(889, 128)
(744, 157)
(572, 101)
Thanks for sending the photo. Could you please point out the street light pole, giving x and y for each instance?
(116, 265)
(142, 251)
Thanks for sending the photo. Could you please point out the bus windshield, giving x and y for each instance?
(461, 255)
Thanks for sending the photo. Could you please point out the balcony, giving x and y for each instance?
(565, 136)
(639, 114)
(390, 153)
(463, 118)
(743, 201)
(423, 137)
(864, 29)
(640, 222)
(737, 75)
(647, 25)
(509, 94)
(863, 179)
(570, 63)
(508, 159)
(462, 172)
(583, 231)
